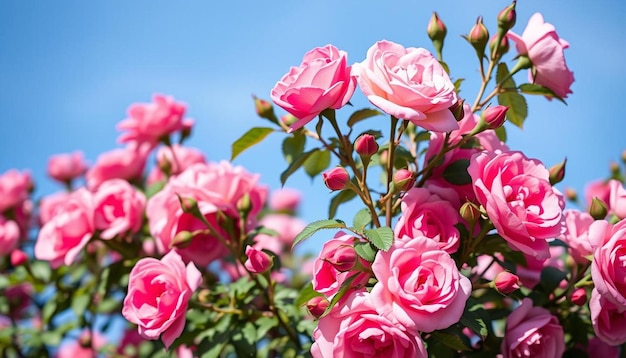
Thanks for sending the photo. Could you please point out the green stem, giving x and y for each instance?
(391, 157)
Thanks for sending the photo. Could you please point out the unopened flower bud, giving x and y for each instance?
(507, 17)
(498, 50)
(598, 209)
(288, 119)
(624, 156)
(614, 168)
(579, 296)
(263, 108)
(182, 239)
(478, 37)
(557, 172)
(495, 116)
(186, 131)
(258, 261)
(457, 110)
(437, 32)
(403, 180)
(571, 194)
(244, 205)
(365, 145)
(336, 178)
(506, 282)
(469, 212)
(18, 257)
(384, 158)
(317, 306)
(165, 166)
(344, 259)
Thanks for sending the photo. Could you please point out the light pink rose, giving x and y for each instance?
(119, 208)
(532, 332)
(322, 81)
(158, 294)
(258, 261)
(607, 268)
(607, 319)
(285, 199)
(65, 167)
(576, 234)
(9, 236)
(545, 48)
(150, 122)
(353, 329)
(175, 158)
(49, 204)
(598, 189)
(518, 197)
(14, 188)
(286, 226)
(617, 199)
(123, 163)
(81, 347)
(408, 83)
(62, 238)
(326, 278)
(426, 214)
(419, 284)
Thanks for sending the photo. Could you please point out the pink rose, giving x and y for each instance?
(87, 346)
(532, 332)
(49, 204)
(14, 188)
(576, 235)
(607, 268)
(544, 47)
(9, 236)
(426, 214)
(598, 189)
(62, 238)
(518, 197)
(65, 167)
(173, 160)
(322, 81)
(158, 294)
(258, 261)
(123, 163)
(150, 122)
(353, 329)
(119, 208)
(408, 84)
(419, 284)
(599, 348)
(608, 320)
(617, 199)
(285, 199)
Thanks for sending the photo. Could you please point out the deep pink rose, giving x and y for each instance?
(119, 208)
(598, 348)
(322, 81)
(285, 199)
(544, 47)
(258, 261)
(158, 294)
(408, 83)
(65, 167)
(518, 197)
(576, 234)
(353, 329)
(62, 238)
(150, 122)
(607, 268)
(598, 189)
(9, 236)
(14, 188)
(532, 332)
(123, 163)
(617, 199)
(49, 204)
(173, 160)
(607, 319)
(419, 284)
(327, 279)
(426, 214)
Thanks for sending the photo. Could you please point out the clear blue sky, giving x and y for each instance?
(69, 69)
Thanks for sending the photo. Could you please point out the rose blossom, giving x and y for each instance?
(544, 47)
(518, 197)
(409, 84)
(9, 236)
(65, 167)
(119, 208)
(285, 199)
(532, 332)
(158, 293)
(354, 329)
(173, 160)
(617, 198)
(598, 189)
(607, 268)
(608, 320)
(123, 163)
(599, 348)
(62, 238)
(322, 81)
(87, 346)
(14, 188)
(419, 284)
(576, 235)
(49, 204)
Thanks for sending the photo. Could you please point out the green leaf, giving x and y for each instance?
(518, 108)
(295, 165)
(317, 162)
(315, 226)
(535, 89)
(41, 270)
(345, 287)
(472, 320)
(365, 250)
(451, 341)
(293, 146)
(456, 173)
(381, 237)
(264, 325)
(305, 294)
(457, 84)
(80, 302)
(501, 133)
(342, 197)
(248, 139)
(154, 188)
(362, 218)
(362, 114)
(551, 278)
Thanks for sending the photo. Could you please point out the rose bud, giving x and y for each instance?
(598, 209)
(263, 108)
(258, 261)
(336, 178)
(436, 29)
(557, 172)
(506, 18)
(499, 50)
(469, 212)
(495, 116)
(457, 110)
(403, 180)
(317, 306)
(18, 257)
(579, 297)
(344, 258)
(506, 282)
(571, 194)
(478, 37)
(288, 119)
(366, 145)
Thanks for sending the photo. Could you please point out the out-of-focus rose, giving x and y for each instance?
(119, 208)
(598, 189)
(607, 268)
(576, 235)
(123, 163)
(617, 198)
(62, 238)
(87, 346)
(608, 320)
(49, 204)
(544, 47)
(598, 348)
(519, 200)
(149, 122)
(19, 298)
(14, 188)
(173, 160)
(9, 236)
(66, 167)
(419, 284)
(408, 83)
(158, 294)
(323, 80)
(258, 261)
(285, 199)
(354, 330)
(286, 228)
(18, 257)
(532, 332)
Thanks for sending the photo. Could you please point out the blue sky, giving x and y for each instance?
(69, 70)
